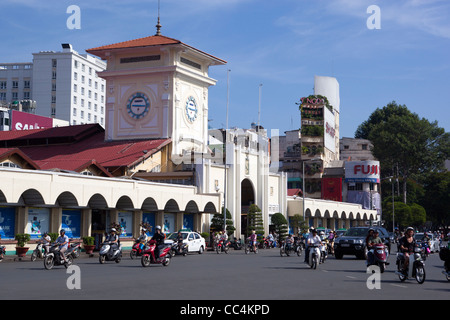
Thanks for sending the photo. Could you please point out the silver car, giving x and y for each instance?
(434, 242)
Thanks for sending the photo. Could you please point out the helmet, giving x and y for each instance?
(62, 230)
(158, 228)
(409, 228)
(113, 230)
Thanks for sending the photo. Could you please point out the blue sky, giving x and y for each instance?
(280, 44)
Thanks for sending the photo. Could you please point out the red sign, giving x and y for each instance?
(332, 189)
(27, 121)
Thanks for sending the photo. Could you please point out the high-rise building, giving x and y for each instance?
(66, 86)
(15, 82)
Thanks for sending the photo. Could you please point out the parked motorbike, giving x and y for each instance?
(175, 249)
(107, 253)
(377, 256)
(53, 257)
(136, 250)
(221, 247)
(416, 267)
(38, 252)
(249, 248)
(314, 256)
(444, 255)
(148, 257)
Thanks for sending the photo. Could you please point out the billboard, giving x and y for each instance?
(28, 121)
(362, 171)
(332, 189)
(329, 131)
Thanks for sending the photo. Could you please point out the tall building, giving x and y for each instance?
(15, 82)
(66, 86)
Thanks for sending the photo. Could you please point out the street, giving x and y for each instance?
(211, 276)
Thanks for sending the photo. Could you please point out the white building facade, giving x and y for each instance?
(66, 86)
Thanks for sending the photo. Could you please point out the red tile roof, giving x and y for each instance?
(145, 42)
(294, 192)
(85, 145)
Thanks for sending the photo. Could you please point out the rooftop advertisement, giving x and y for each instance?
(28, 121)
(362, 171)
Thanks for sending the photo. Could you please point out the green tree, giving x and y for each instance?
(280, 224)
(255, 221)
(217, 222)
(436, 198)
(298, 224)
(418, 215)
(402, 141)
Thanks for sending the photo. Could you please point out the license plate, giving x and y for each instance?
(345, 245)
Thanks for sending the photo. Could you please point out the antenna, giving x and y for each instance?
(158, 25)
(259, 106)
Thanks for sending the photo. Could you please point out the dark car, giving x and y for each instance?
(354, 242)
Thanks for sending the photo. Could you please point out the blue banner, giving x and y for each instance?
(7, 222)
(71, 223)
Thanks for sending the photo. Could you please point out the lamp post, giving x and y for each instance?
(225, 158)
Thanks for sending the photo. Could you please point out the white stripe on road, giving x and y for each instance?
(398, 285)
(351, 277)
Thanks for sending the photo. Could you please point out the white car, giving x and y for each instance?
(194, 241)
(434, 242)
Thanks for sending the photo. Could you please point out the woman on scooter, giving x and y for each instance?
(406, 245)
(159, 237)
(371, 241)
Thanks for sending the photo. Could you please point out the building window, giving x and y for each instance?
(346, 147)
(15, 84)
(74, 99)
(2, 84)
(26, 95)
(355, 186)
(53, 75)
(75, 88)
(74, 112)
(53, 99)
(54, 63)
(15, 95)
(53, 86)
(364, 146)
(75, 76)
(26, 84)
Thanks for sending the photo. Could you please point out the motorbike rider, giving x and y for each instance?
(224, 238)
(63, 242)
(179, 241)
(270, 239)
(159, 237)
(113, 239)
(46, 240)
(289, 241)
(371, 241)
(143, 238)
(252, 239)
(313, 238)
(406, 245)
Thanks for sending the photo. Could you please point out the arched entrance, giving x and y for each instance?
(247, 199)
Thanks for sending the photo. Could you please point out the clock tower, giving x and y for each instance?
(157, 87)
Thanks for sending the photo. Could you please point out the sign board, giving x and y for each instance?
(362, 171)
(28, 121)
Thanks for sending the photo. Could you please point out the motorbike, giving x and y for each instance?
(377, 256)
(416, 266)
(148, 257)
(2, 252)
(107, 253)
(298, 247)
(285, 249)
(444, 255)
(314, 255)
(175, 249)
(136, 250)
(220, 246)
(53, 257)
(323, 252)
(76, 247)
(38, 252)
(426, 249)
(236, 244)
(249, 248)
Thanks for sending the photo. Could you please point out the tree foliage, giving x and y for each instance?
(280, 224)
(217, 222)
(255, 221)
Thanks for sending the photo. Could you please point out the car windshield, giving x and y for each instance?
(418, 236)
(173, 236)
(357, 232)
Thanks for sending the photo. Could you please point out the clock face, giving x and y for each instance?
(138, 105)
(191, 109)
